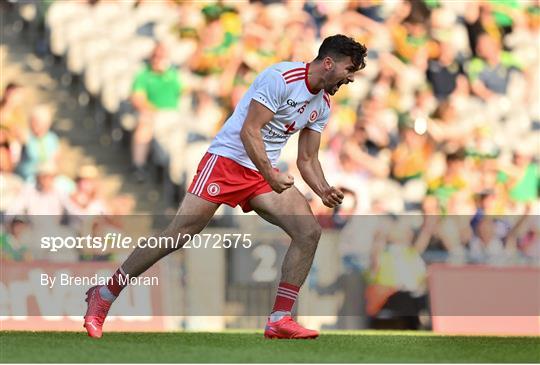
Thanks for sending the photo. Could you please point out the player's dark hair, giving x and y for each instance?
(339, 46)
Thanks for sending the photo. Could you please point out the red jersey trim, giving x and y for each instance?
(294, 75)
(295, 79)
(307, 81)
(284, 74)
(327, 99)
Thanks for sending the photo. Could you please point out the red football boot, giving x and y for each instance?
(96, 312)
(287, 328)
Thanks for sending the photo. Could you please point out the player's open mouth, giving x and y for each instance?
(337, 86)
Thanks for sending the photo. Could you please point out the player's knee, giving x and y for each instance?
(315, 232)
(310, 234)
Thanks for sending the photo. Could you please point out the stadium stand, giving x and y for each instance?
(443, 124)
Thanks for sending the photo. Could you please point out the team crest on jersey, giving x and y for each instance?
(313, 116)
(213, 189)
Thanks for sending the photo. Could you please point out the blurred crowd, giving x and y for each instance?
(38, 194)
(444, 121)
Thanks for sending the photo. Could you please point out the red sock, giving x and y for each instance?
(114, 284)
(285, 297)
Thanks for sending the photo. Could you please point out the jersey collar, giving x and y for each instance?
(307, 81)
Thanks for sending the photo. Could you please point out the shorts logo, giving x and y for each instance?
(313, 116)
(213, 189)
(291, 102)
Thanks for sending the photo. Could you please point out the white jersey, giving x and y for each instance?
(283, 88)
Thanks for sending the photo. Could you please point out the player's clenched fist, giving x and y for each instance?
(280, 181)
(332, 197)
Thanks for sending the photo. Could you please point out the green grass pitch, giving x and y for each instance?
(245, 347)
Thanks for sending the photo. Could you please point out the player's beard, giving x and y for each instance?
(335, 87)
(333, 82)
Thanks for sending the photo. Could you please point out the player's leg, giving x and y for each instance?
(192, 216)
(290, 211)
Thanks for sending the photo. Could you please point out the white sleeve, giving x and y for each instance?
(270, 90)
(321, 122)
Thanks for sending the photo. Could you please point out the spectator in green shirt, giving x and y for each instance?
(157, 89)
(490, 72)
(522, 177)
(12, 241)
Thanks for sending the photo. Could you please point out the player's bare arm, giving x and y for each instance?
(310, 168)
(258, 116)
